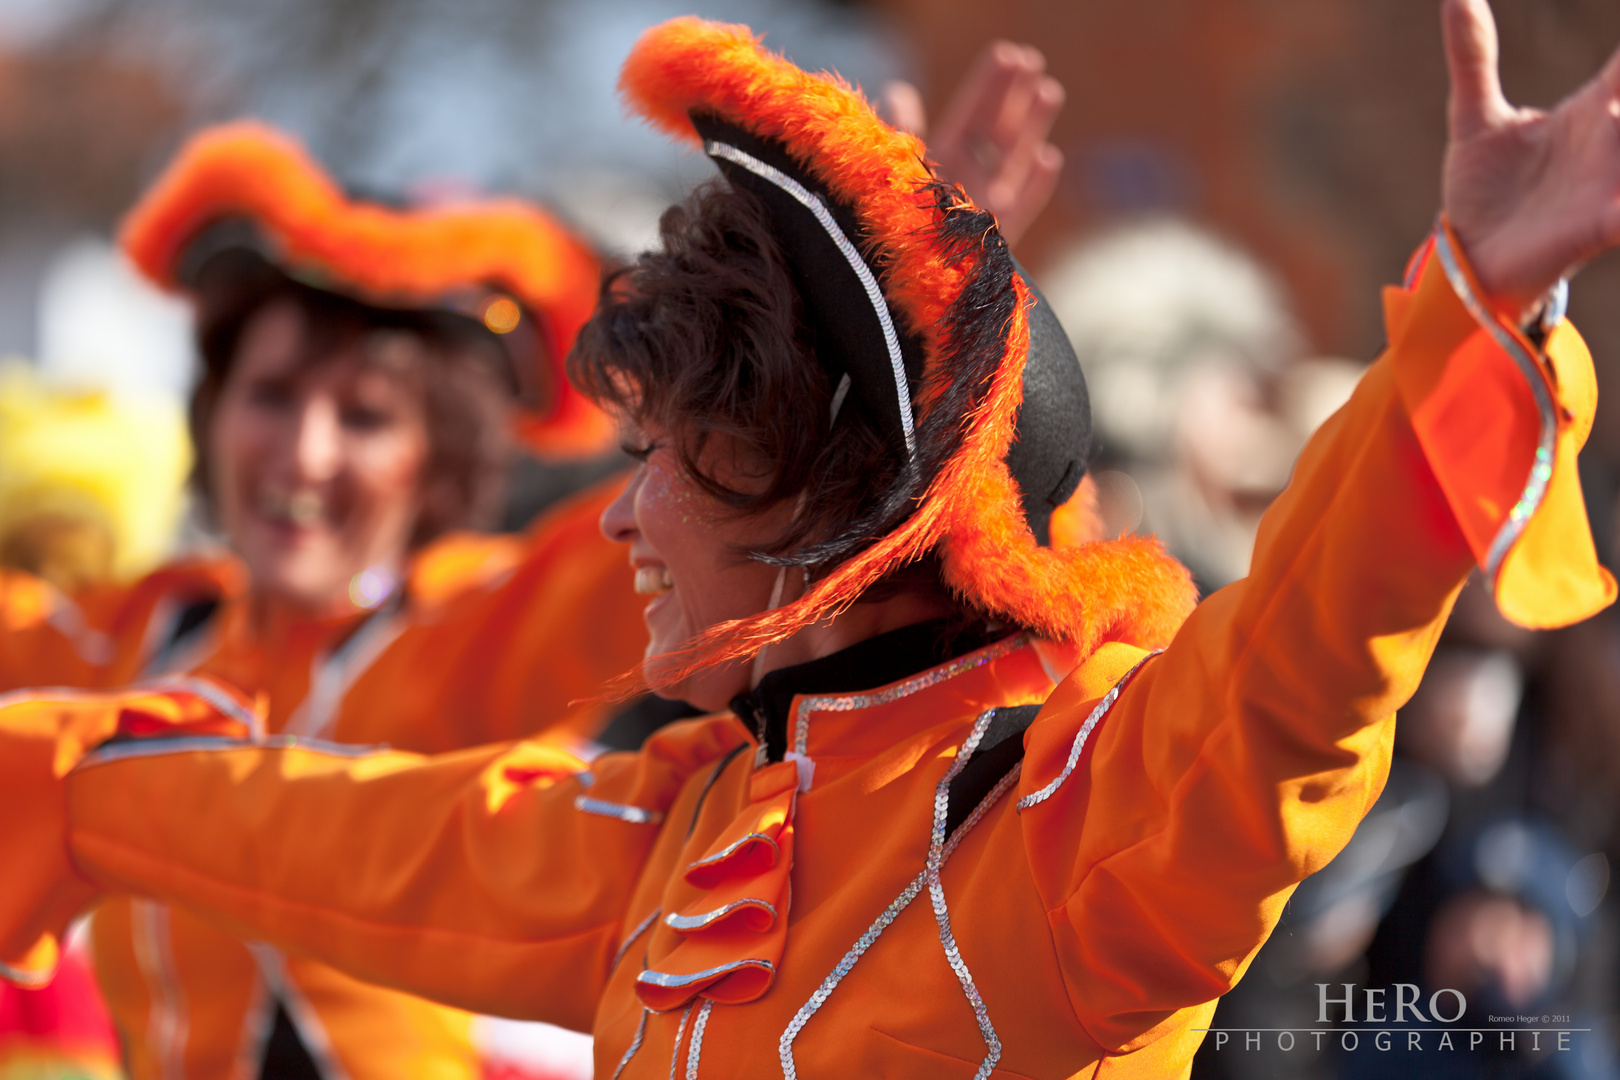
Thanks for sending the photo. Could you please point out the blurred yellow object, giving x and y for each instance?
(91, 486)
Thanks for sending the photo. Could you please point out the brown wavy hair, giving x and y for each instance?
(704, 338)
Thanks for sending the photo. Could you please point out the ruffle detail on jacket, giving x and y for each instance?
(732, 930)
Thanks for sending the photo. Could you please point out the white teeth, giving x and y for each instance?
(302, 508)
(653, 580)
(305, 508)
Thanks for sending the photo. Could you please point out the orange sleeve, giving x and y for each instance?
(495, 879)
(514, 657)
(47, 639)
(1500, 423)
(1167, 819)
(97, 638)
(41, 740)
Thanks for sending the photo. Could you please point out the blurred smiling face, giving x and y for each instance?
(317, 465)
(689, 554)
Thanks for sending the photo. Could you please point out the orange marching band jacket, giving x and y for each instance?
(952, 869)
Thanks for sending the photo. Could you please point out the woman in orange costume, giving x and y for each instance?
(361, 366)
(891, 856)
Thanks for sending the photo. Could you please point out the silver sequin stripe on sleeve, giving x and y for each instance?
(635, 815)
(158, 745)
(1097, 714)
(811, 202)
(888, 915)
(1535, 485)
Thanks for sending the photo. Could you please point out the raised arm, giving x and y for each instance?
(496, 879)
(1177, 814)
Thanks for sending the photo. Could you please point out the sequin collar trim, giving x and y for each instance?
(932, 677)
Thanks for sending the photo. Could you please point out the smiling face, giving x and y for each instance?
(689, 554)
(317, 464)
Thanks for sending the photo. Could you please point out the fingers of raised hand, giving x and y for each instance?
(992, 135)
(1026, 164)
(1477, 103)
(1020, 138)
(977, 102)
(901, 104)
(1005, 100)
(1019, 212)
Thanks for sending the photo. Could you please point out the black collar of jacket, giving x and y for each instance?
(866, 665)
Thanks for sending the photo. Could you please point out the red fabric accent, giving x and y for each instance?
(752, 938)
(68, 1013)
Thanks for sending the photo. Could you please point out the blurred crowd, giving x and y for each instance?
(1486, 864)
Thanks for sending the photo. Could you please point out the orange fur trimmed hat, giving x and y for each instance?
(500, 261)
(923, 319)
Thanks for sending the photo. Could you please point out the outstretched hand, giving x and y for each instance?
(991, 138)
(1531, 195)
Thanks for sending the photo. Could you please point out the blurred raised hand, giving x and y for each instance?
(1530, 194)
(991, 137)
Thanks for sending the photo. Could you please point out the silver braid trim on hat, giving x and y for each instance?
(813, 203)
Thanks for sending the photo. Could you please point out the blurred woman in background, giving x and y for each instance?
(364, 372)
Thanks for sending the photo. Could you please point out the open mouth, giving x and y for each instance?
(303, 509)
(653, 580)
